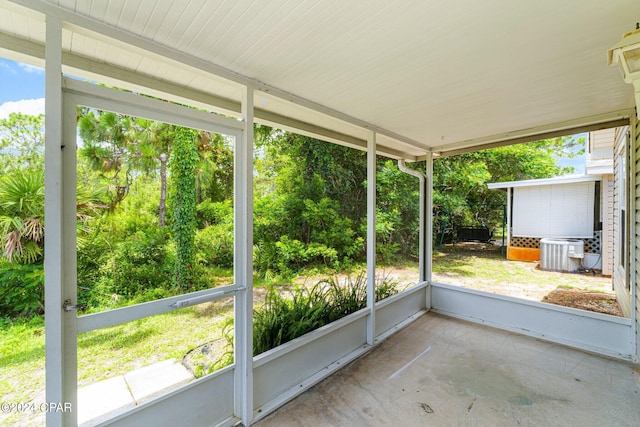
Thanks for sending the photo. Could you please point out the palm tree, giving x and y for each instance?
(21, 215)
(152, 149)
(22, 230)
(114, 143)
(107, 145)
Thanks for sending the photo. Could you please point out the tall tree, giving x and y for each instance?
(151, 153)
(120, 146)
(21, 141)
(107, 146)
(183, 163)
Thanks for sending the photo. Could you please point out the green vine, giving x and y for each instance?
(184, 159)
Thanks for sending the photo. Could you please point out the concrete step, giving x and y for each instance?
(106, 399)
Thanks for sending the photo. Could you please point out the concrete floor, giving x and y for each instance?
(441, 371)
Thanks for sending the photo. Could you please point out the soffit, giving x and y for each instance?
(434, 75)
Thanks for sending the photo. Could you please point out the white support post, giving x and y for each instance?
(422, 232)
(371, 237)
(428, 224)
(633, 233)
(243, 265)
(59, 261)
(508, 218)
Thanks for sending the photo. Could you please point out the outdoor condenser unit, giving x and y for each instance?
(561, 254)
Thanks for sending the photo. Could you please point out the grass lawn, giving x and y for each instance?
(104, 353)
(482, 267)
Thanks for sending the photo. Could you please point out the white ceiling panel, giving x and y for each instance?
(434, 74)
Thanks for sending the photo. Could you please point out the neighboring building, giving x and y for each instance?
(568, 207)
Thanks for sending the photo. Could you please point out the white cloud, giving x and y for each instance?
(30, 68)
(32, 107)
(7, 67)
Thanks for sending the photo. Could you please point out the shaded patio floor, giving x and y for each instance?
(441, 371)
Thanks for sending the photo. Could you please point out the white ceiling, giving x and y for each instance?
(428, 74)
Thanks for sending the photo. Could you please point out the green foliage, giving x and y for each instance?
(214, 175)
(21, 215)
(330, 229)
(309, 203)
(140, 264)
(397, 212)
(21, 289)
(21, 141)
(310, 200)
(212, 213)
(183, 163)
(460, 181)
(215, 245)
(284, 317)
(294, 254)
(108, 139)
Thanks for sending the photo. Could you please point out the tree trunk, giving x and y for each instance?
(162, 208)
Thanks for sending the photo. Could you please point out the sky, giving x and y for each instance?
(22, 90)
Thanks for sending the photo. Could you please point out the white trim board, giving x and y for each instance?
(598, 333)
(567, 179)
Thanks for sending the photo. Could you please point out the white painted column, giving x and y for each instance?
(243, 264)
(59, 261)
(508, 241)
(634, 133)
(428, 224)
(371, 237)
(423, 232)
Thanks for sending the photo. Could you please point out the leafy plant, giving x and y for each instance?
(21, 215)
(282, 318)
(214, 243)
(286, 316)
(183, 163)
(21, 289)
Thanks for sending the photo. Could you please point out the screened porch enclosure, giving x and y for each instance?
(383, 78)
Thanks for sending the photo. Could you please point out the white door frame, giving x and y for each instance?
(62, 322)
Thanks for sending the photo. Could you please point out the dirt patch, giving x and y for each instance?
(481, 266)
(203, 359)
(592, 301)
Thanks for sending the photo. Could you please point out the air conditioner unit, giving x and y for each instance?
(561, 254)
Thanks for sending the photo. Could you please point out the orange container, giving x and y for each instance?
(523, 254)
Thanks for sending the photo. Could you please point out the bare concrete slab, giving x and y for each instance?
(103, 400)
(153, 380)
(445, 372)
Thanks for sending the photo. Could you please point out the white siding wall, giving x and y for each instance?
(635, 144)
(560, 210)
(606, 213)
(601, 143)
(619, 203)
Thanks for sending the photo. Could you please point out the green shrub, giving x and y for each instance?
(265, 257)
(21, 289)
(214, 245)
(330, 229)
(140, 263)
(211, 213)
(283, 318)
(294, 254)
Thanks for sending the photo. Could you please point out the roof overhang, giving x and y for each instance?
(441, 78)
(559, 180)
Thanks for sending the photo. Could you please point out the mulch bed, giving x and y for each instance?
(592, 301)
